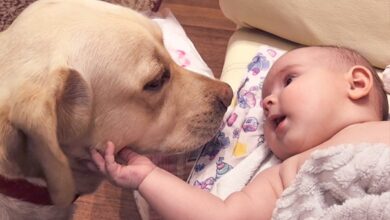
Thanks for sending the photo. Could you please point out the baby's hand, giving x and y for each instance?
(126, 176)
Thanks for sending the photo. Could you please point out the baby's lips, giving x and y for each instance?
(276, 118)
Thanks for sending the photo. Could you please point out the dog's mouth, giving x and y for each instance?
(84, 165)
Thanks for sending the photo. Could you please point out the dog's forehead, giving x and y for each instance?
(129, 70)
(68, 13)
(101, 40)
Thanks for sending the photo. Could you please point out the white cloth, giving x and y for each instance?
(179, 46)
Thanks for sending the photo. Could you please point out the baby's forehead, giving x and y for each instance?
(298, 58)
(306, 56)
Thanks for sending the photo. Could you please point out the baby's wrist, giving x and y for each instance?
(152, 170)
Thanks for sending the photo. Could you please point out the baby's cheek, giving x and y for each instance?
(270, 137)
(267, 131)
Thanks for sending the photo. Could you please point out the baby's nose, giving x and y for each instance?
(267, 102)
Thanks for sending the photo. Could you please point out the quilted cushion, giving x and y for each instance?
(363, 25)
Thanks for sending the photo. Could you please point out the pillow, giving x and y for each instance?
(242, 46)
(363, 25)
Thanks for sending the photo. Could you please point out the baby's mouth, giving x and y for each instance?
(277, 120)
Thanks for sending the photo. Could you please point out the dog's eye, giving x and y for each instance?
(154, 85)
(157, 84)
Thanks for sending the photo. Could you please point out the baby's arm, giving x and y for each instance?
(123, 176)
(174, 199)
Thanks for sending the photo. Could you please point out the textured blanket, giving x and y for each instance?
(342, 182)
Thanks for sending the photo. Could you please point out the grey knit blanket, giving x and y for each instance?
(342, 182)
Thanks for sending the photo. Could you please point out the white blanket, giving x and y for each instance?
(239, 151)
(343, 182)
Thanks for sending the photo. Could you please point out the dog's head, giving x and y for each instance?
(115, 81)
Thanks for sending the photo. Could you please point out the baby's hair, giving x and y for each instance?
(351, 57)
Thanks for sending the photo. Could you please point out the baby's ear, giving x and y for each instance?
(360, 81)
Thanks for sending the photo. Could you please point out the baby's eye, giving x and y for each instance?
(288, 79)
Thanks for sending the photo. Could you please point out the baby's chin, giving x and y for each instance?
(281, 156)
(276, 150)
(285, 150)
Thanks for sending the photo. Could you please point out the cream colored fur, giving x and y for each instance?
(77, 73)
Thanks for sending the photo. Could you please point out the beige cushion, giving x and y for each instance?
(243, 46)
(363, 25)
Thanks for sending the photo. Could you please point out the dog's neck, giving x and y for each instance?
(24, 190)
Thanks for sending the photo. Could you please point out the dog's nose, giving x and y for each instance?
(225, 95)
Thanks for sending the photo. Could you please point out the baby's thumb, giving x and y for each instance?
(126, 155)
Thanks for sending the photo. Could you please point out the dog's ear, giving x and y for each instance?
(74, 100)
(35, 114)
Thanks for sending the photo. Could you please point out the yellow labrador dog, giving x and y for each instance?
(75, 74)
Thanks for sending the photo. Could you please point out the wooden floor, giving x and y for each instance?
(209, 30)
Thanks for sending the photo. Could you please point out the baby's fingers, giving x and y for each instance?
(111, 166)
(98, 160)
(109, 153)
(128, 156)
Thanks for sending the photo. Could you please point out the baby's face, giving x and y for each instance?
(301, 99)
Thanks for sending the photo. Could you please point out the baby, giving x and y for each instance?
(313, 98)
